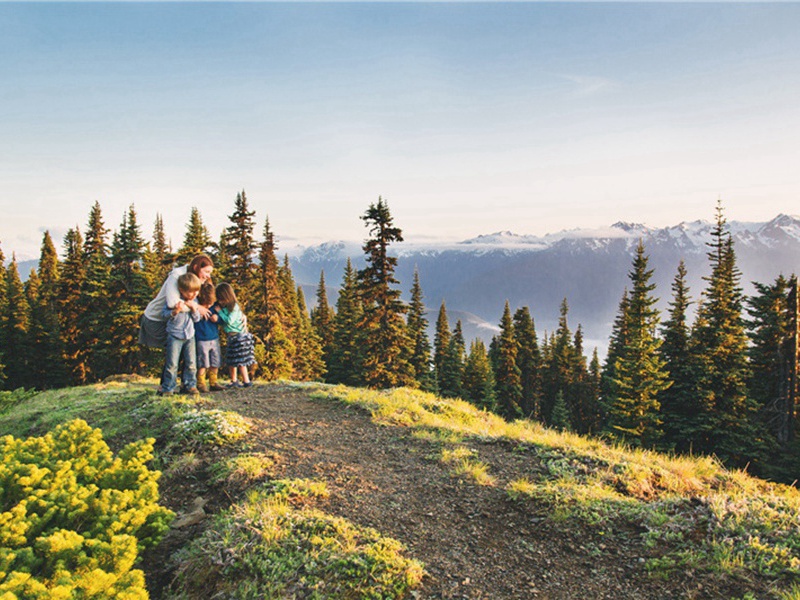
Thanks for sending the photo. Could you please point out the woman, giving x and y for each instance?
(153, 327)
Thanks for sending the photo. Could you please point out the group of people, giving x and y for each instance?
(185, 317)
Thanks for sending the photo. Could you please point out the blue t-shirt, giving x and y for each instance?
(205, 329)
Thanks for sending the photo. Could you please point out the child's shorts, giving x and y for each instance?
(209, 354)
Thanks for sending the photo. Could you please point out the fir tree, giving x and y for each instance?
(345, 366)
(196, 240)
(452, 369)
(17, 321)
(48, 364)
(507, 374)
(158, 258)
(268, 315)
(308, 364)
(129, 291)
(73, 276)
(94, 312)
(560, 419)
(441, 341)
(770, 352)
(3, 313)
(529, 361)
(559, 372)
(418, 330)
(616, 345)
(726, 413)
(387, 347)
(239, 246)
(640, 375)
(678, 403)
(322, 319)
(478, 381)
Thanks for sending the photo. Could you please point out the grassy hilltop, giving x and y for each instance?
(316, 491)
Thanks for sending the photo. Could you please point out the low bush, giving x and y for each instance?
(73, 518)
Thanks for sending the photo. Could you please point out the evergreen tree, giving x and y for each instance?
(73, 276)
(158, 258)
(17, 322)
(269, 313)
(196, 240)
(594, 412)
(585, 392)
(322, 319)
(94, 311)
(387, 347)
(239, 247)
(771, 340)
(48, 365)
(559, 373)
(529, 361)
(616, 346)
(640, 375)
(478, 380)
(441, 341)
(345, 366)
(129, 290)
(308, 364)
(678, 403)
(453, 365)
(3, 313)
(560, 419)
(418, 330)
(507, 375)
(726, 414)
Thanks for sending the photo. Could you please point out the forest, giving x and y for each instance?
(718, 378)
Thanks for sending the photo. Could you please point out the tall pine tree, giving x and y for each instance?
(346, 358)
(478, 380)
(239, 247)
(726, 413)
(196, 240)
(73, 276)
(418, 330)
(17, 321)
(322, 319)
(387, 347)
(529, 361)
(441, 342)
(640, 375)
(507, 374)
(678, 404)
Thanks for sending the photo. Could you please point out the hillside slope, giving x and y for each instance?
(490, 509)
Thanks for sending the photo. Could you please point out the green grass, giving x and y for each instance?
(691, 511)
(273, 546)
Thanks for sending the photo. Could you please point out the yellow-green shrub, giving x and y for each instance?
(73, 517)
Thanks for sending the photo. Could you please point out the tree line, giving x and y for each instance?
(723, 384)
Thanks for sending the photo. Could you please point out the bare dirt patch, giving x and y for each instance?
(475, 542)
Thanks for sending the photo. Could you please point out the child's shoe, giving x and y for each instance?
(191, 391)
(202, 388)
(215, 387)
(247, 384)
(234, 385)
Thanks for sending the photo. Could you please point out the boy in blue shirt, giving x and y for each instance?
(206, 333)
(180, 338)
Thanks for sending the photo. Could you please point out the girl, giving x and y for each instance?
(241, 344)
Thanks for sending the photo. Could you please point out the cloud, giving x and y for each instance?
(588, 85)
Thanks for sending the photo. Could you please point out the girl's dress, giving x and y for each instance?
(241, 343)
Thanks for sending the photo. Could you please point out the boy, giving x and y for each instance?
(206, 331)
(180, 338)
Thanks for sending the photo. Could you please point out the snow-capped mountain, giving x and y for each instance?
(588, 267)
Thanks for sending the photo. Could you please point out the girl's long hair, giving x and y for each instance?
(226, 297)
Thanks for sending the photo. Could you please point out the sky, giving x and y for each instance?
(467, 118)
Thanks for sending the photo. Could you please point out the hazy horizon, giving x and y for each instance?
(468, 118)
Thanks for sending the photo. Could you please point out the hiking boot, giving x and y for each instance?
(215, 387)
(202, 388)
(192, 391)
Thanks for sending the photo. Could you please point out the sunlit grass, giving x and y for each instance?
(698, 513)
(271, 546)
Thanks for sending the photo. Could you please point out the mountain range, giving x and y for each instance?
(588, 268)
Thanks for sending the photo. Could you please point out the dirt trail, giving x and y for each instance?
(474, 541)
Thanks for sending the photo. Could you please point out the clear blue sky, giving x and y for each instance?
(468, 118)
